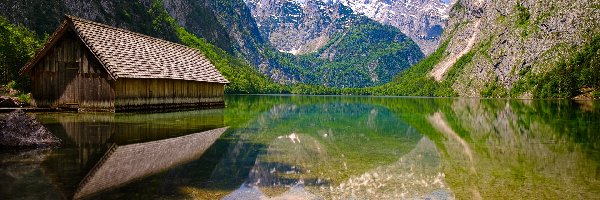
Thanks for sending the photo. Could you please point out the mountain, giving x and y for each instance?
(253, 32)
(514, 45)
(422, 20)
(300, 27)
(366, 54)
(512, 48)
(326, 43)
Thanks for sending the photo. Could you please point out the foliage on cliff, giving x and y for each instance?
(569, 78)
(364, 55)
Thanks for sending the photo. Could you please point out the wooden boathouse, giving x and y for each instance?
(95, 67)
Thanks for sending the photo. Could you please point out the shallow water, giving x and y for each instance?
(319, 147)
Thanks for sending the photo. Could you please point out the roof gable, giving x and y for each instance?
(125, 54)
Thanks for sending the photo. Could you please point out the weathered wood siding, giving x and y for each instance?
(135, 94)
(70, 76)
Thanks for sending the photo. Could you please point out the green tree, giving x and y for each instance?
(17, 46)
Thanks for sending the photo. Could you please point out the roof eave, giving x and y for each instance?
(66, 24)
(58, 33)
(85, 42)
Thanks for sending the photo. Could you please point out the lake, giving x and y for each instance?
(319, 147)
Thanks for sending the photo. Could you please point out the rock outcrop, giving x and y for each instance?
(9, 102)
(19, 130)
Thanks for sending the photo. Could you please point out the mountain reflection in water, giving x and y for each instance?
(485, 149)
(323, 147)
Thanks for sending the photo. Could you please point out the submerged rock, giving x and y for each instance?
(18, 129)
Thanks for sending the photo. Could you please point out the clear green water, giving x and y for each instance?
(332, 147)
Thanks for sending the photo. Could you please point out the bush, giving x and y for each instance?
(24, 99)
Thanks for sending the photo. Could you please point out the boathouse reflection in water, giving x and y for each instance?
(116, 149)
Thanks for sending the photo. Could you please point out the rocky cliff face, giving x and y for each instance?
(300, 27)
(44, 16)
(242, 28)
(422, 20)
(497, 44)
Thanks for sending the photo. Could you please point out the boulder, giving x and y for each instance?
(19, 130)
(8, 102)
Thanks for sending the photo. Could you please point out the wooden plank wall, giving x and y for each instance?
(97, 89)
(69, 76)
(134, 94)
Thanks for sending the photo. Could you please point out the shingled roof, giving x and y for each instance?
(125, 54)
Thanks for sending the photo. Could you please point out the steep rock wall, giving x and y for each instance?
(513, 38)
